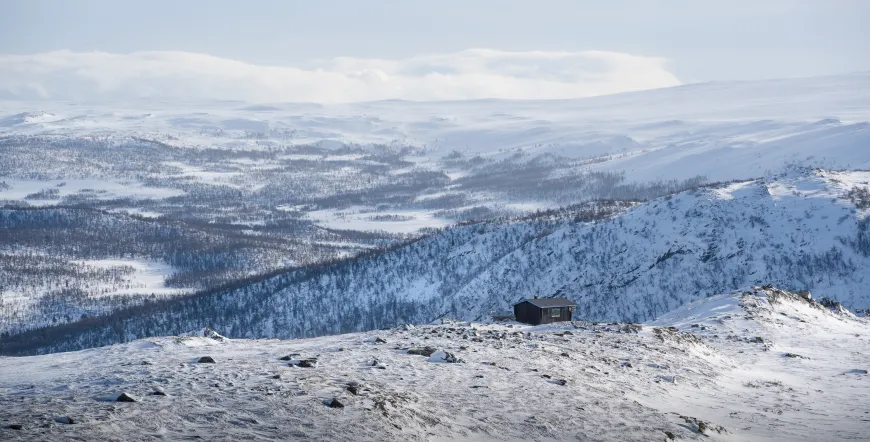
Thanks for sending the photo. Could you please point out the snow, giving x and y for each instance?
(95, 188)
(724, 131)
(566, 381)
(205, 176)
(360, 218)
(147, 277)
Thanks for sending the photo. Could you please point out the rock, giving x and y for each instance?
(558, 381)
(422, 351)
(64, 420)
(757, 340)
(158, 393)
(276, 376)
(304, 363)
(333, 403)
(794, 355)
(626, 364)
(565, 354)
(289, 357)
(380, 341)
(210, 333)
(702, 427)
(670, 435)
(18, 427)
(353, 388)
(124, 397)
(443, 356)
(206, 360)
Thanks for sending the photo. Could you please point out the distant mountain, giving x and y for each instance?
(721, 130)
(806, 229)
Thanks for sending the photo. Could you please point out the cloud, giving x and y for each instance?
(470, 74)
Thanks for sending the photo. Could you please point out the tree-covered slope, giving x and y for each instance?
(803, 230)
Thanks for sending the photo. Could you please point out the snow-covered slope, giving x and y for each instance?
(798, 230)
(804, 230)
(752, 365)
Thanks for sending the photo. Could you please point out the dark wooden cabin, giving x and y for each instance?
(544, 310)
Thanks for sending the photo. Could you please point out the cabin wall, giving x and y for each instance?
(546, 316)
(527, 313)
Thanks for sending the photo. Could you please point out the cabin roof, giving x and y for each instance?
(549, 302)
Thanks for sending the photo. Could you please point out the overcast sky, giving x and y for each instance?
(395, 41)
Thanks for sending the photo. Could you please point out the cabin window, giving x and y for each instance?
(555, 313)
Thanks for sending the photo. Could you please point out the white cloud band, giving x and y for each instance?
(470, 74)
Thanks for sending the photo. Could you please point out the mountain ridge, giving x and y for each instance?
(800, 230)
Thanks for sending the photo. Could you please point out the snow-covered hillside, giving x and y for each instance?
(757, 364)
(808, 229)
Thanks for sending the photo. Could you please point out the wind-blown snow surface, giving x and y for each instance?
(719, 130)
(752, 365)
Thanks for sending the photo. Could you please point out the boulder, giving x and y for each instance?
(17, 427)
(422, 351)
(124, 397)
(304, 363)
(206, 360)
(333, 403)
(443, 356)
(353, 388)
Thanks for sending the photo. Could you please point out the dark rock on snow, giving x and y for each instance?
(206, 360)
(124, 397)
(15, 427)
(305, 363)
(422, 351)
(333, 403)
(353, 388)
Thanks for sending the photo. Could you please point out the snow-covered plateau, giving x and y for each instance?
(757, 364)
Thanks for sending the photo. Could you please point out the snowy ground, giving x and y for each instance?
(726, 362)
(146, 277)
(50, 192)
